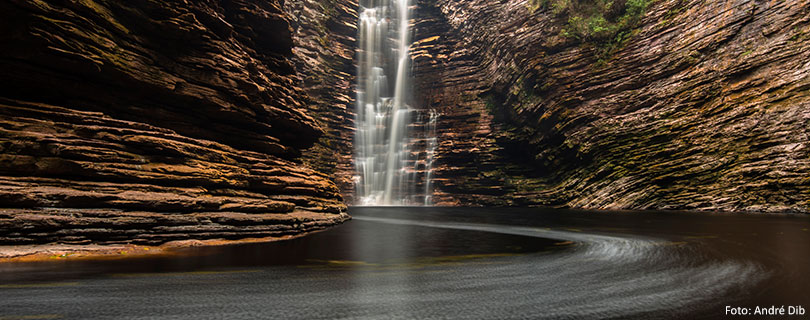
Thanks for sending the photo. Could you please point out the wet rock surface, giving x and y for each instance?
(144, 122)
(704, 107)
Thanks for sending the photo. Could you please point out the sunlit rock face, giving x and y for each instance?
(703, 107)
(147, 121)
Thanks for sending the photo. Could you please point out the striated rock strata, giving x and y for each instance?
(324, 34)
(147, 121)
(704, 106)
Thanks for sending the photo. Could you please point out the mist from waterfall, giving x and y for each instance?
(395, 143)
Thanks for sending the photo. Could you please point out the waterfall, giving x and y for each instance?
(395, 143)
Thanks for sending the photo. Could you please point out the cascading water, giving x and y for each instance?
(394, 142)
(430, 150)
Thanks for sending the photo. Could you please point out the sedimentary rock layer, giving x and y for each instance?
(324, 34)
(703, 107)
(151, 121)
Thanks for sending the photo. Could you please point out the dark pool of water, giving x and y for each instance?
(447, 263)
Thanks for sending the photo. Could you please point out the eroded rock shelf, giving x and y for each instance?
(145, 122)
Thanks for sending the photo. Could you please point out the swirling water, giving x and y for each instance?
(438, 263)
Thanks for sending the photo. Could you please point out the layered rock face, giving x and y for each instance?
(324, 34)
(147, 121)
(703, 107)
(142, 121)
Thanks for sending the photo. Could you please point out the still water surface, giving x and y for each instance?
(447, 263)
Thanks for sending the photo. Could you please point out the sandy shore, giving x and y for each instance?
(55, 251)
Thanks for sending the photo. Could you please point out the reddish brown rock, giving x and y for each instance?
(324, 34)
(143, 121)
(704, 107)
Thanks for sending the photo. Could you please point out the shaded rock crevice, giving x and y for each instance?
(324, 34)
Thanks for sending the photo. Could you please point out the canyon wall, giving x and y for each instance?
(145, 121)
(699, 105)
(148, 121)
(324, 34)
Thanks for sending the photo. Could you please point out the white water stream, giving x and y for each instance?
(395, 143)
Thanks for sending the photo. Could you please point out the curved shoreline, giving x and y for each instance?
(63, 252)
